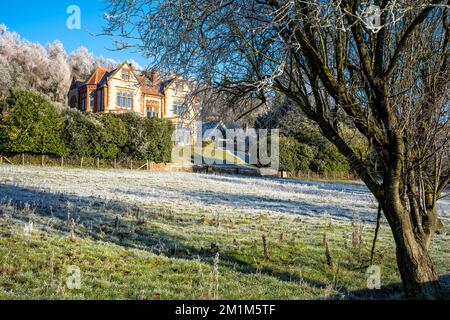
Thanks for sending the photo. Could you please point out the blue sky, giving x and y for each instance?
(45, 21)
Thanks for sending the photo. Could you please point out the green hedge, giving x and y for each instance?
(31, 124)
(147, 138)
(297, 157)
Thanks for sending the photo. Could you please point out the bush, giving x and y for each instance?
(327, 160)
(97, 136)
(136, 145)
(149, 139)
(31, 124)
(159, 134)
(294, 156)
(115, 136)
(77, 134)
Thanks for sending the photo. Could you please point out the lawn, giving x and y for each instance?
(149, 235)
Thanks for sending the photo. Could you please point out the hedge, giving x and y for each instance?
(297, 157)
(29, 123)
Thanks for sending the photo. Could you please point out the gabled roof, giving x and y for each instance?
(209, 129)
(105, 77)
(212, 125)
(151, 90)
(113, 72)
(97, 76)
(167, 83)
(100, 78)
(148, 87)
(76, 83)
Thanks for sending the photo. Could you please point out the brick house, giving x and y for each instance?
(126, 90)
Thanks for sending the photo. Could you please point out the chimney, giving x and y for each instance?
(154, 76)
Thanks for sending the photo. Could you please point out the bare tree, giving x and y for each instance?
(381, 69)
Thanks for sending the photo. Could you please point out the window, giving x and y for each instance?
(183, 135)
(124, 100)
(83, 103)
(73, 102)
(102, 102)
(125, 76)
(92, 100)
(130, 101)
(179, 109)
(152, 113)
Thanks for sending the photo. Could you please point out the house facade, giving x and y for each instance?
(125, 90)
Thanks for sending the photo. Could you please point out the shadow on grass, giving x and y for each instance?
(394, 291)
(290, 206)
(96, 218)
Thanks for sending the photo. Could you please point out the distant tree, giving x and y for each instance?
(31, 66)
(83, 63)
(136, 66)
(47, 70)
(58, 73)
(106, 63)
(295, 157)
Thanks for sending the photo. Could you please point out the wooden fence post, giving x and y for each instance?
(115, 164)
(148, 166)
(23, 159)
(98, 163)
(62, 161)
(81, 163)
(131, 166)
(42, 160)
(1, 159)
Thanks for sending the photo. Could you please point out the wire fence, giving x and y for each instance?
(309, 175)
(25, 159)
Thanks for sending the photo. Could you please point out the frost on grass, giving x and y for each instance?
(244, 195)
(176, 224)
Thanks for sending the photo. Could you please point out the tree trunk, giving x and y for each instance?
(419, 278)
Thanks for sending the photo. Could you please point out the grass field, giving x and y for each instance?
(148, 235)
